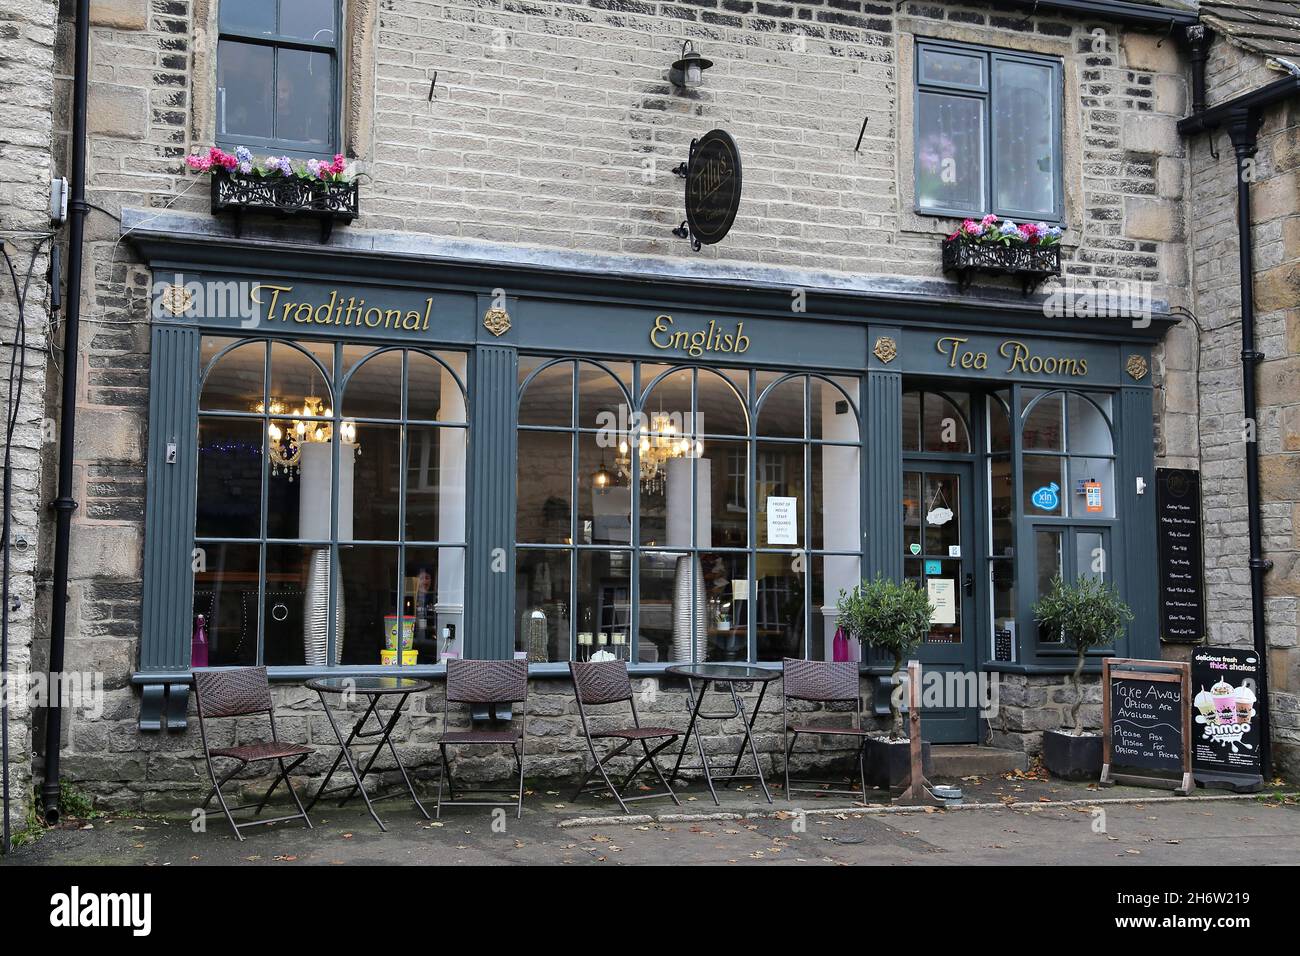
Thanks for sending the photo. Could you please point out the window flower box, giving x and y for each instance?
(326, 191)
(1031, 253)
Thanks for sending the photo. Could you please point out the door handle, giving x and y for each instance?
(969, 585)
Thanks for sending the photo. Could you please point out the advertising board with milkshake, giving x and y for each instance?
(1225, 749)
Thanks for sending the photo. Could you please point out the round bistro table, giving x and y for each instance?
(706, 675)
(375, 689)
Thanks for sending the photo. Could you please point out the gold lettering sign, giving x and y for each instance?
(352, 312)
(1019, 356)
(712, 338)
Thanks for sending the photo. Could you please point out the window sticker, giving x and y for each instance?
(1047, 498)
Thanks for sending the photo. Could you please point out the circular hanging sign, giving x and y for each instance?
(712, 186)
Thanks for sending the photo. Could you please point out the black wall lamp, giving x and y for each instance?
(688, 70)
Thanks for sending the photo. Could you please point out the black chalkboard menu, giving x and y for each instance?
(1178, 543)
(1225, 714)
(1145, 723)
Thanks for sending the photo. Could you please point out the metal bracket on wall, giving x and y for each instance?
(164, 707)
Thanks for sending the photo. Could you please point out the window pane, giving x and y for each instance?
(376, 486)
(912, 511)
(304, 97)
(604, 506)
(602, 402)
(433, 394)
(228, 501)
(374, 389)
(779, 607)
(548, 399)
(433, 597)
(244, 87)
(665, 607)
(1043, 484)
(296, 376)
(1047, 547)
(780, 476)
(1088, 429)
(911, 421)
(1042, 426)
(1024, 137)
(368, 576)
(225, 593)
(435, 483)
(953, 69)
(1001, 510)
(285, 612)
(722, 495)
(942, 512)
(604, 603)
(248, 16)
(542, 602)
(1090, 558)
(999, 422)
(720, 410)
(949, 152)
(234, 384)
(835, 488)
(1003, 575)
(781, 415)
(832, 416)
(544, 489)
(669, 397)
(307, 19)
(726, 615)
(944, 423)
(831, 574)
(1092, 487)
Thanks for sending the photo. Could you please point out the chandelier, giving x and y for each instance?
(285, 439)
(655, 448)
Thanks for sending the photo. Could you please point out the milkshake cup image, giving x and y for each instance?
(1245, 700)
(1205, 703)
(1225, 703)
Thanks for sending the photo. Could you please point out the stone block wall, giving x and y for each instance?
(1221, 431)
(27, 91)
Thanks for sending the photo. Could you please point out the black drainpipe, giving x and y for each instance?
(1198, 49)
(64, 504)
(1243, 126)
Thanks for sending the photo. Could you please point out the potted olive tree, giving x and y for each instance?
(892, 618)
(1087, 614)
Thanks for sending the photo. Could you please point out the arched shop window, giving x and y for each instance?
(315, 456)
(936, 422)
(1067, 484)
(678, 513)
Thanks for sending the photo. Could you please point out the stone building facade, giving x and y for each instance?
(546, 130)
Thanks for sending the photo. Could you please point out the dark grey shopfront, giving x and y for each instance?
(397, 453)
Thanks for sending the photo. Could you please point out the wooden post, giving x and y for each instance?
(918, 792)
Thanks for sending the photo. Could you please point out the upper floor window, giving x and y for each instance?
(988, 132)
(277, 75)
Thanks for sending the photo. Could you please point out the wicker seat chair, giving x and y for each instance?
(596, 683)
(244, 692)
(485, 684)
(822, 682)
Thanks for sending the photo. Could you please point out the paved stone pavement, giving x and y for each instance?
(1018, 821)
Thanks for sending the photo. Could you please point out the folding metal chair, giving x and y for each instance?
(244, 692)
(606, 682)
(490, 683)
(823, 682)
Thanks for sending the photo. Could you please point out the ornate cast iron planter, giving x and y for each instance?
(1031, 264)
(328, 202)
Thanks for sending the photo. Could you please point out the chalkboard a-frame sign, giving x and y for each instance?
(1146, 724)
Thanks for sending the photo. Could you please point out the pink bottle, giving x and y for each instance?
(840, 646)
(199, 644)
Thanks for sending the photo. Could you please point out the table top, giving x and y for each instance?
(371, 686)
(724, 673)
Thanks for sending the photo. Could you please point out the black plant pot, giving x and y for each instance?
(1070, 757)
(889, 762)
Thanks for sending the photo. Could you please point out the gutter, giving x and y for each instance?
(1241, 117)
(64, 504)
(1121, 11)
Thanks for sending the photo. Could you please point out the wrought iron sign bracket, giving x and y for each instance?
(682, 170)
